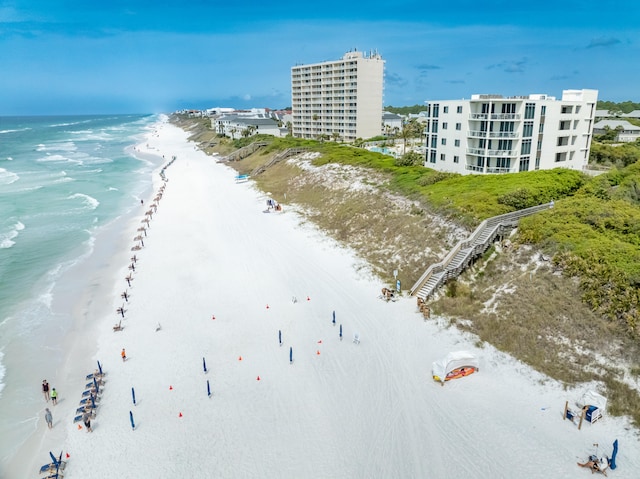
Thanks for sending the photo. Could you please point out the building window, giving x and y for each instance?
(485, 108)
(443, 142)
(445, 109)
(432, 156)
(524, 164)
(543, 110)
(503, 163)
(566, 109)
(426, 126)
(444, 125)
(480, 162)
(436, 110)
(527, 129)
(459, 109)
(507, 126)
(526, 147)
(458, 126)
(442, 157)
(565, 125)
(530, 111)
(541, 130)
(456, 159)
(456, 142)
(504, 144)
(563, 141)
(508, 108)
(434, 126)
(434, 141)
(561, 157)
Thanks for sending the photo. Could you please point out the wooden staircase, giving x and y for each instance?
(459, 258)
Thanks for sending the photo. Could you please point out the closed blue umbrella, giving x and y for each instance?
(95, 383)
(334, 318)
(280, 337)
(99, 367)
(133, 395)
(341, 332)
(204, 365)
(133, 425)
(208, 389)
(290, 354)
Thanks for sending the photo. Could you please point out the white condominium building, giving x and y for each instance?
(340, 99)
(496, 134)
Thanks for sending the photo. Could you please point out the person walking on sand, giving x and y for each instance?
(49, 418)
(124, 355)
(54, 396)
(45, 390)
(87, 421)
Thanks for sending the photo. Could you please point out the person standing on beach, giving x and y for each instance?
(45, 390)
(87, 421)
(124, 355)
(49, 418)
(54, 396)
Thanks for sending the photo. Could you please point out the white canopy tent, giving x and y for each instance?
(452, 361)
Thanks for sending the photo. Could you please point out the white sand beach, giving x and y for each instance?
(218, 275)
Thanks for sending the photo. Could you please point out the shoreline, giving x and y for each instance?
(83, 314)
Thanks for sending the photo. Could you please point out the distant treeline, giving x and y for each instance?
(405, 110)
(624, 107)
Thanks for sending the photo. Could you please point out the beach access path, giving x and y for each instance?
(221, 279)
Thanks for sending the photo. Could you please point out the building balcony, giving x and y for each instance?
(503, 134)
(477, 133)
(494, 116)
(491, 153)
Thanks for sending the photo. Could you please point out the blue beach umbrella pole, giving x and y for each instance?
(208, 389)
(133, 424)
(290, 354)
(99, 367)
(280, 337)
(204, 365)
(95, 384)
(341, 332)
(133, 396)
(334, 318)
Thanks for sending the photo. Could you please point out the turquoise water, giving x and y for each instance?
(62, 179)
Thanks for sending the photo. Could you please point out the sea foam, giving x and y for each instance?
(7, 177)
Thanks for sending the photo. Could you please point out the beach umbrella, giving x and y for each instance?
(612, 461)
(280, 337)
(95, 383)
(341, 332)
(334, 318)
(133, 395)
(54, 459)
(290, 354)
(208, 389)
(133, 424)
(204, 365)
(99, 367)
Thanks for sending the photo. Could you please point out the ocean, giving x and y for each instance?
(63, 182)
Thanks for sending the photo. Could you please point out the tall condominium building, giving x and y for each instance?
(340, 98)
(496, 134)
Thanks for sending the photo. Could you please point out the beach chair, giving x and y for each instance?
(97, 374)
(52, 467)
(118, 327)
(356, 338)
(55, 475)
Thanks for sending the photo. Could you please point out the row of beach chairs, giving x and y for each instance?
(90, 396)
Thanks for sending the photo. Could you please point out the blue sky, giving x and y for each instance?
(139, 56)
